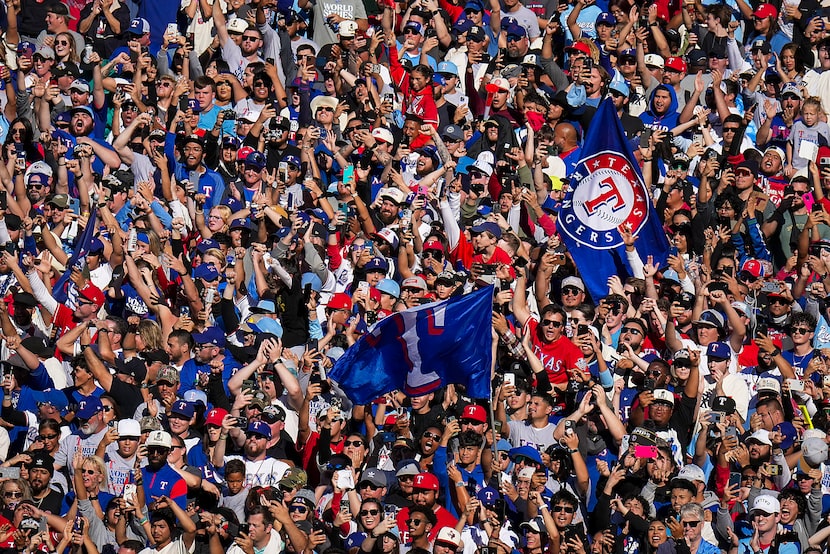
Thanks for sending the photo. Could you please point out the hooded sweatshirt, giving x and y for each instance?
(667, 120)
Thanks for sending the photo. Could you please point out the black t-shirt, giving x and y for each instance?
(52, 502)
(128, 396)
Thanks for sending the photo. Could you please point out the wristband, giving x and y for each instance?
(460, 484)
(91, 498)
(143, 520)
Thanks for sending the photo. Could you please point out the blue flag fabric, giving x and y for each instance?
(821, 339)
(607, 192)
(422, 349)
(78, 259)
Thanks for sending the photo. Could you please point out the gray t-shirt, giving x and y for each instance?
(522, 434)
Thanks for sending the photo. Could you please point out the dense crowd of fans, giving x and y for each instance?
(204, 205)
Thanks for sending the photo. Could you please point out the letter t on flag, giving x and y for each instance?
(422, 349)
(606, 192)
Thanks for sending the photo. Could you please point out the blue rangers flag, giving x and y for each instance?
(607, 192)
(78, 260)
(422, 349)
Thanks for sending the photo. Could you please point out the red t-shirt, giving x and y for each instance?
(558, 357)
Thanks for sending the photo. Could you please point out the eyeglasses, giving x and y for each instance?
(353, 443)
(570, 291)
(433, 436)
(413, 522)
(248, 38)
(800, 330)
(566, 509)
(300, 509)
(553, 322)
(18, 130)
(632, 330)
(364, 513)
(690, 523)
(730, 129)
(13, 494)
(47, 437)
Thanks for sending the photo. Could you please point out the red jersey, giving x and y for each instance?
(557, 357)
(445, 519)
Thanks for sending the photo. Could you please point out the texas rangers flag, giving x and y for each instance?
(64, 290)
(422, 349)
(607, 192)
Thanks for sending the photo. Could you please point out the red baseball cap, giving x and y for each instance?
(243, 153)
(675, 63)
(215, 416)
(433, 245)
(425, 481)
(475, 412)
(766, 10)
(580, 47)
(93, 293)
(340, 301)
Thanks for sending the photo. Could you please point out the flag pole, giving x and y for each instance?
(491, 411)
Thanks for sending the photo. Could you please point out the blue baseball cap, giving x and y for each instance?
(208, 272)
(448, 68)
(194, 105)
(291, 159)
(527, 452)
(211, 335)
(390, 287)
(516, 29)
(719, 351)
(206, 245)
(474, 5)
(264, 307)
(488, 496)
(240, 223)
(95, 245)
(183, 408)
(377, 264)
(260, 428)
(789, 431)
(320, 214)
(313, 280)
(488, 226)
(462, 26)
(256, 159)
(139, 26)
(266, 325)
(606, 18)
(88, 406)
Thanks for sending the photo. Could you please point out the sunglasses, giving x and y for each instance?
(47, 437)
(514, 38)
(247, 38)
(352, 443)
(778, 300)
(17, 494)
(690, 523)
(330, 109)
(730, 129)
(410, 32)
(800, 330)
(551, 322)
(570, 291)
(297, 509)
(433, 436)
(364, 513)
(413, 522)
(566, 509)
(88, 471)
(632, 330)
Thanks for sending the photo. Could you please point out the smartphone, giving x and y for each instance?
(363, 287)
(249, 385)
(582, 329)
(510, 379)
(269, 61)
(588, 63)
(348, 173)
(715, 417)
(390, 510)
(673, 251)
(74, 205)
(774, 469)
(497, 426)
(242, 422)
(284, 170)
(9, 473)
(184, 311)
(796, 385)
(735, 479)
(826, 380)
(78, 525)
(645, 136)
(644, 451)
(129, 492)
(172, 29)
(43, 525)
(344, 481)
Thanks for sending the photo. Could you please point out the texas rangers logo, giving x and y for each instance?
(608, 193)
